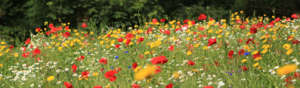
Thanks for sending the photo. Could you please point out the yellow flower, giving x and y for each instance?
(189, 53)
(95, 74)
(286, 69)
(176, 75)
(107, 86)
(204, 47)
(286, 46)
(264, 51)
(1, 53)
(60, 49)
(155, 44)
(16, 54)
(137, 68)
(258, 58)
(244, 60)
(3, 43)
(147, 52)
(50, 78)
(145, 73)
(254, 52)
(1, 65)
(256, 64)
(290, 51)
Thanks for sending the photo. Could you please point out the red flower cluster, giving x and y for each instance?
(212, 41)
(191, 63)
(68, 85)
(202, 17)
(111, 75)
(74, 67)
(159, 60)
(253, 30)
(103, 61)
(230, 54)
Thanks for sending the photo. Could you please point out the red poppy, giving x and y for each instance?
(37, 29)
(74, 67)
(200, 28)
(295, 41)
(170, 85)
(68, 85)
(120, 39)
(103, 61)
(256, 55)
(135, 86)
(296, 74)
(186, 21)
(129, 36)
(134, 65)
(154, 21)
(208, 87)
(162, 20)
(241, 51)
(191, 63)
(240, 40)
(212, 41)
(127, 42)
(171, 48)
(159, 60)
(117, 46)
(66, 34)
(27, 41)
(80, 58)
(84, 25)
(288, 79)
(25, 55)
(97, 86)
(67, 28)
(242, 26)
(158, 69)
(167, 32)
(51, 26)
(202, 17)
(36, 51)
(111, 75)
(48, 33)
(250, 40)
(244, 68)
(140, 40)
(238, 21)
(149, 30)
(230, 54)
(253, 30)
(85, 74)
(38, 59)
(294, 16)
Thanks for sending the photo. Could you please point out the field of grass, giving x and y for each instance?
(240, 52)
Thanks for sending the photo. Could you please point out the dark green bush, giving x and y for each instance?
(18, 18)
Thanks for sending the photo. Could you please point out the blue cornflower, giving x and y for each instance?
(126, 52)
(246, 53)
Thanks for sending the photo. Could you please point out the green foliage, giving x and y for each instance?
(28, 14)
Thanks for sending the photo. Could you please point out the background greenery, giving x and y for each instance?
(20, 17)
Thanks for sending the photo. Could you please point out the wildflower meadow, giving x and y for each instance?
(240, 52)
